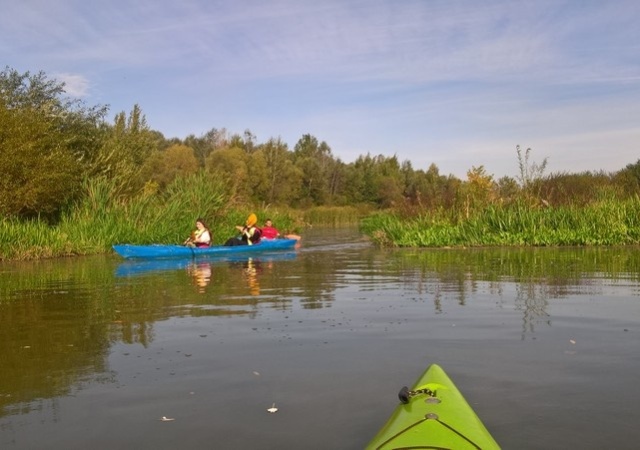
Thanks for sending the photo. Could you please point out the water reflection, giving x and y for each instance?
(251, 269)
(532, 299)
(59, 319)
(52, 340)
(134, 267)
(201, 270)
(529, 277)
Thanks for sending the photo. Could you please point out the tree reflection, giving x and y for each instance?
(536, 275)
(60, 318)
(532, 299)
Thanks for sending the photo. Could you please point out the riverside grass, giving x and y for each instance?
(103, 218)
(603, 223)
(335, 215)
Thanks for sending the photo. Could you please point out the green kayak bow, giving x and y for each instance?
(433, 415)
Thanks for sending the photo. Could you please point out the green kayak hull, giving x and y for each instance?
(435, 416)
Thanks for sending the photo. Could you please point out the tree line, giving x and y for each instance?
(50, 145)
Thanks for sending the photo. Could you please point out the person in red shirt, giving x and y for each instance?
(270, 232)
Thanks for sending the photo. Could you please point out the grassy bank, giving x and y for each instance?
(334, 215)
(103, 218)
(603, 223)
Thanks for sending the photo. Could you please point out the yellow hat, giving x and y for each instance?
(252, 220)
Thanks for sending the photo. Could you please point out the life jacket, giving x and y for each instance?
(197, 234)
(251, 237)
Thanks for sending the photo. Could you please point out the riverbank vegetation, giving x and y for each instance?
(601, 223)
(74, 182)
(533, 210)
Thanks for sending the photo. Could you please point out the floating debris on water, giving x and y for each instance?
(273, 409)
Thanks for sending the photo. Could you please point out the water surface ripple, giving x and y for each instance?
(95, 352)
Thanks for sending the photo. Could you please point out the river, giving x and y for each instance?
(102, 353)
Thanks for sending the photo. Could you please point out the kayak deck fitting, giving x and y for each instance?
(433, 415)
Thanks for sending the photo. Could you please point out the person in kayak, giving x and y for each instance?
(271, 232)
(249, 233)
(201, 236)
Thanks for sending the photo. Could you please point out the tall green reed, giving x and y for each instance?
(335, 215)
(103, 218)
(31, 239)
(608, 222)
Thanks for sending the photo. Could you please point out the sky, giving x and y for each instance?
(455, 83)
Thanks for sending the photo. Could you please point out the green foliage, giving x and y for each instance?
(102, 219)
(128, 144)
(162, 167)
(628, 179)
(199, 195)
(376, 180)
(580, 188)
(27, 91)
(231, 165)
(50, 146)
(31, 239)
(274, 179)
(44, 142)
(479, 191)
(602, 223)
(76, 125)
(316, 165)
(507, 189)
(335, 215)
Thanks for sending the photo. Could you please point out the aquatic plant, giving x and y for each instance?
(603, 223)
(335, 215)
(102, 218)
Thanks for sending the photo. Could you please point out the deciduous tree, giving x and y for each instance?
(162, 167)
(280, 182)
(129, 142)
(230, 165)
(46, 141)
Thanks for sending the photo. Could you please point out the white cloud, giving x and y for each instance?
(411, 41)
(455, 82)
(74, 85)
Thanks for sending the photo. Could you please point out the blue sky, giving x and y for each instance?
(455, 83)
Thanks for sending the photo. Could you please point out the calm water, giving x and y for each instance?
(544, 343)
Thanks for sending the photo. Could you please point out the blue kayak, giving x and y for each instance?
(134, 267)
(179, 251)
